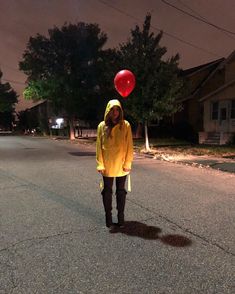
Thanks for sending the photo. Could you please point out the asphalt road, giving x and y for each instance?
(179, 235)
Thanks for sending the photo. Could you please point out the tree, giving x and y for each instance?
(23, 121)
(157, 82)
(63, 68)
(8, 99)
(109, 64)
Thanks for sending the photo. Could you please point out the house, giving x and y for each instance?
(36, 118)
(43, 119)
(209, 106)
(219, 106)
(189, 121)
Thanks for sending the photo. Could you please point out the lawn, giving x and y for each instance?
(173, 146)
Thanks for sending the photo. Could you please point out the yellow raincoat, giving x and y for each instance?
(115, 152)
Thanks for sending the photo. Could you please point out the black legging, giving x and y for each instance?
(120, 183)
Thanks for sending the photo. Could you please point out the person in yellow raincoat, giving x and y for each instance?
(114, 156)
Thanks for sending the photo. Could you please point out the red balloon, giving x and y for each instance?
(124, 82)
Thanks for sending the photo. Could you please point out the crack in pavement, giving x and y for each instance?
(210, 242)
(45, 238)
(40, 239)
(59, 198)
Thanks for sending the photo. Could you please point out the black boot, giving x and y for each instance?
(121, 200)
(107, 201)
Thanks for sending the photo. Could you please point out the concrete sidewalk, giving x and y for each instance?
(203, 161)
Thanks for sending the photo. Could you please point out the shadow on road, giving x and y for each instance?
(176, 240)
(133, 228)
(137, 229)
(82, 153)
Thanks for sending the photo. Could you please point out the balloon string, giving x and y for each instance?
(129, 183)
(101, 185)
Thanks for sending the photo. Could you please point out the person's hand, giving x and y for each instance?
(126, 169)
(101, 171)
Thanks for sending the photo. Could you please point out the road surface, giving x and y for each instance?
(179, 235)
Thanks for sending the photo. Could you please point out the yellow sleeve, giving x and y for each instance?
(129, 148)
(99, 155)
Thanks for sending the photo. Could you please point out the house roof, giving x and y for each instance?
(36, 104)
(217, 90)
(191, 71)
(214, 66)
(220, 66)
(207, 67)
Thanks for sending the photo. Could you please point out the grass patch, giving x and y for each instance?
(163, 142)
(173, 146)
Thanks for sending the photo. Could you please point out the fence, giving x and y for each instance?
(86, 133)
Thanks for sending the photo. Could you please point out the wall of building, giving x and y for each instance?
(224, 98)
(213, 83)
(230, 70)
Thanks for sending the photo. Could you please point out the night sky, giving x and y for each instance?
(199, 42)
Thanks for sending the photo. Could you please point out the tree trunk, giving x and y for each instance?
(71, 129)
(139, 131)
(147, 148)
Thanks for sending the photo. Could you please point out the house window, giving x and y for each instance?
(215, 110)
(223, 114)
(233, 109)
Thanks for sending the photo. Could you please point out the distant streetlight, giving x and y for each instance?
(59, 122)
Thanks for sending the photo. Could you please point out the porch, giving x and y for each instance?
(215, 138)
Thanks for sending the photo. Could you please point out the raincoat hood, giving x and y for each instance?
(114, 153)
(111, 104)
